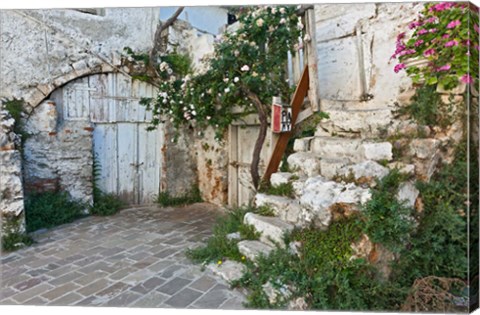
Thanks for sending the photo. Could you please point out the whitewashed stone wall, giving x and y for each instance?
(358, 87)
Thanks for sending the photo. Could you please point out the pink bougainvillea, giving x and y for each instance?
(443, 34)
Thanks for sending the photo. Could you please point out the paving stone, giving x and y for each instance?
(113, 290)
(27, 284)
(173, 286)
(14, 280)
(35, 301)
(60, 291)
(203, 284)
(94, 287)
(161, 265)
(124, 299)
(28, 294)
(138, 276)
(183, 298)
(212, 299)
(167, 252)
(91, 277)
(68, 299)
(234, 303)
(66, 278)
(120, 274)
(152, 299)
(170, 271)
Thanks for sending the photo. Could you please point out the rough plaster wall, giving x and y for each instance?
(58, 157)
(44, 49)
(210, 165)
(341, 66)
(212, 168)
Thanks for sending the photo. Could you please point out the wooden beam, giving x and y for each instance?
(297, 102)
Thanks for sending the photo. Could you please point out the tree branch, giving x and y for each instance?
(158, 34)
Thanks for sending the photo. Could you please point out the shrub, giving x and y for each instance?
(165, 199)
(219, 246)
(387, 221)
(105, 204)
(49, 209)
(13, 236)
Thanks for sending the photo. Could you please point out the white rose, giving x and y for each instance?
(208, 117)
(300, 25)
(245, 68)
(227, 90)
(274, 10)
(236, 79)
(236, 53)
(283, 21)
(254, 74)
(194, 113)
(259, 22)
(225, 80)
(282, 10)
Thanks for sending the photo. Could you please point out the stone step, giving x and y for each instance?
(320, 194)
(329, 168)
(304, 163)
(354, 150)
(302, 144)
(280, 178)
(254, 249)
(354, 123)
(366, 169)
(228, 270)
(284, 208)
(272, 229)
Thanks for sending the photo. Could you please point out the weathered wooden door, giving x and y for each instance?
(242, 140)
(127, 156)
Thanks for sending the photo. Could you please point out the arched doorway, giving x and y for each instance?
(128, 158)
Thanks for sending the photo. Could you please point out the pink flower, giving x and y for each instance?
(432, 30)
(433, 19)
(414, 24)
(467, 42)
(441, 6)
(475, 27)
(444, 68)
(419, 42)
(446, 36)
(399, 67)
(422, 31)
(451, 43)
(429, 52)
(454, 24)
(400, 36)
(400, 47)
(466, 78)
(477, 47)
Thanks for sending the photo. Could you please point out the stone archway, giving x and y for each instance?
(98, 114)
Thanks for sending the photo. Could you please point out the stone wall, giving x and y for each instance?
(11, 189)
(58, 158)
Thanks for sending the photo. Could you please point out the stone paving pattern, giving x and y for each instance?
(135, 258)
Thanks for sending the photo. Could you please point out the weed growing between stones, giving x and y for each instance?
(285, 190)
(15, 108)
(165, 199)
(103, 204)
(219, 246)
(49, 209)
(323, 273)
(13, 234)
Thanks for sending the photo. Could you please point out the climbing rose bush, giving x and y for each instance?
(445, 35)
(248, 67)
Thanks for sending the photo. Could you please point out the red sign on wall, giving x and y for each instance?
(281, 117)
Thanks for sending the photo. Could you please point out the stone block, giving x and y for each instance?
(408, 169)
(424, 148)
(378, 151)
(280, 178)
(337, 148)
(367, 169)
(285, 208)
(408, 193)
(330, 167)
(272, 229)
(254, 249)
(305, 163)
(302, 144)
(228, 270)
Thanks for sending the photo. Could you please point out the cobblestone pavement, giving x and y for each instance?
(135, 258)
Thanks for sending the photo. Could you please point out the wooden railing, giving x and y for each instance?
(298, 98)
